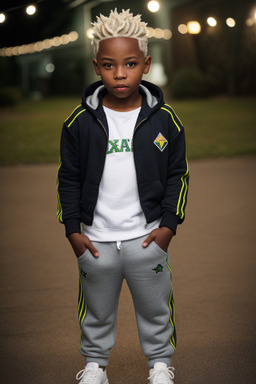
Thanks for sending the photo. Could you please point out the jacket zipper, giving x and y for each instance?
(135, 129)
(104, 129)
(142, 121)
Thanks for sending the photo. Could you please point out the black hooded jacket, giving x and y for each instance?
(159, 156)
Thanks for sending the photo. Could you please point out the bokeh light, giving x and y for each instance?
(159, 33)
(31, 10)
(193, 27)
(153, 6)
(183, 29)
(50, 67)
(2, 18)
(211, 22)
(167, 34)
(39, 45)
(249, 22)
(89, 33)
(230, 22)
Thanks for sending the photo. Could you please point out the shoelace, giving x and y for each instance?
(167, 372)
(87, 375)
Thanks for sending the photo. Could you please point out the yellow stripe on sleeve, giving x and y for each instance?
(175, 113)
(59, 211)
(83, 110)
(167, 110)
(72, 113)
(183, 191)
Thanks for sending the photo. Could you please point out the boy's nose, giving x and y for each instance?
(120, 73)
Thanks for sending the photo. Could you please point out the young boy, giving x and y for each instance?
(123, 176)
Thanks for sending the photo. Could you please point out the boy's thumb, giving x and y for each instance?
(146, 242)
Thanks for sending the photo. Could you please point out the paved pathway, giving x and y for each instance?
(213, 261)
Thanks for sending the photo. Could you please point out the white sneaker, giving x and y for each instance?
(161, 374)
(92, 374)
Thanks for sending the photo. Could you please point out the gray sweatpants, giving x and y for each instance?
(148, 276)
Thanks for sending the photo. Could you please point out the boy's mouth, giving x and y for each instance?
(120, 87)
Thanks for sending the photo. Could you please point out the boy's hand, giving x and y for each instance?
(80, 243)
(161, 236)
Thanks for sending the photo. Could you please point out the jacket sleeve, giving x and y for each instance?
(69, 180)
(175, 196)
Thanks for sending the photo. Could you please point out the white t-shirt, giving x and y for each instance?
(118, 214)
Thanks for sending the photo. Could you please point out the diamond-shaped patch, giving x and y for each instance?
(161, 142)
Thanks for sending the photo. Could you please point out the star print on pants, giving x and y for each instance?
(83, 273)
(159, 268)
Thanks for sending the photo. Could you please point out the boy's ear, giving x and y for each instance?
(147, 64)
(95, 64)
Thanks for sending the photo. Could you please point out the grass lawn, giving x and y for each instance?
(220, 127)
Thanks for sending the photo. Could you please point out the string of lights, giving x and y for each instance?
(30, 10)
(31, 21)
(21, 6)
(39, 46)
(190, 27)
(65, 39)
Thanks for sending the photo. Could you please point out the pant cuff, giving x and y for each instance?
(101, 361)
(166, 360)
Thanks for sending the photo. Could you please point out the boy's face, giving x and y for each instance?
(121, 64)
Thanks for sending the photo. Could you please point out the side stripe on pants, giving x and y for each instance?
(82, 307)
(173, 339)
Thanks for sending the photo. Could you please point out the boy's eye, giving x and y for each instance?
(107, 65)
(131, 64)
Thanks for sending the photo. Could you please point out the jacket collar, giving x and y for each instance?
(93, 95)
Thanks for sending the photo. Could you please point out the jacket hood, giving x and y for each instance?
(92, 96)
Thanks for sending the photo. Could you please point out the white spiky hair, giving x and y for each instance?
(122, 24)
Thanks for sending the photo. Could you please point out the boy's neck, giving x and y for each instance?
(122, 105)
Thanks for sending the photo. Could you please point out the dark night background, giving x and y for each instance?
(19, 28)
(225, 56)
